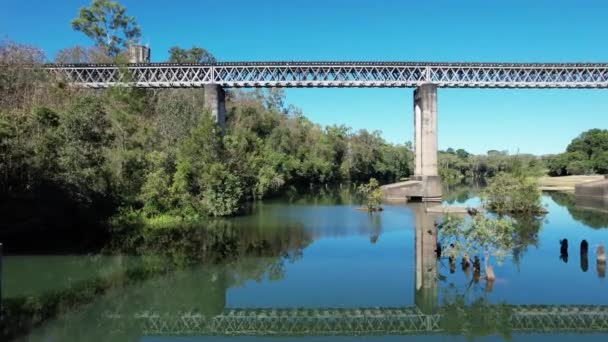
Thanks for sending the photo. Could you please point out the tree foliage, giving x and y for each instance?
(509, 193)
(456, 166)
(587, 153)
(372, 195)
(477, 235)
(108, 25)
(193, 55)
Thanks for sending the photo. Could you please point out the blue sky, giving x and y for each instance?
(530, 121)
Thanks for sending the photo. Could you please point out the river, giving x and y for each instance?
(306, 267)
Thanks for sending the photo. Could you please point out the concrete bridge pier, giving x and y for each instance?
(215, 103)
(425, 142)
(425, 185)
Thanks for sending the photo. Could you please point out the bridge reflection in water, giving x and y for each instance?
(426, 317)
(375, 321)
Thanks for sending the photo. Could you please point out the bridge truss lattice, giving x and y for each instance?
(337, 74)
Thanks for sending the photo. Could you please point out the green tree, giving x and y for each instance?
(192, 55)
(578, 167)
(461, 153)
(591, 142)
(372, 195)
(155, 192)
(558, 164)
(507, 193)
(600, 162)
(107, 24)
(479, 235)
(223, 191)
(86, 135)
(203, 184)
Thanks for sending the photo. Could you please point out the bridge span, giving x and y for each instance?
(423, 76)
(337, 74)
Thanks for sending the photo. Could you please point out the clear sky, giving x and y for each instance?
(531, 121)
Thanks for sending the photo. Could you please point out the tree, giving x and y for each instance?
(478, 235)
(558, 165)
(85, 131)
(507, 193)
(107, 24)
(600, 162)
(591, 142)
(192, 55)
(578, 167)
(17, 82)
(461, 153)
(73, 55)
(372, 195)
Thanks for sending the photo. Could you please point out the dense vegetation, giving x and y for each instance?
(586, 154)
(156, 152)
(456, 166)
(512, 193)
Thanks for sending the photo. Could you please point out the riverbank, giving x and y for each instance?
(565, 183)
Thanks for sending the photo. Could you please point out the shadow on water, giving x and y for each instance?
(166, 269)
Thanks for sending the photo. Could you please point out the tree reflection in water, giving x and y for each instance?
(376, 227)
(165, 269)
(472, 318)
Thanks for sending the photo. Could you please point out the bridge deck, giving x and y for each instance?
(337, 74)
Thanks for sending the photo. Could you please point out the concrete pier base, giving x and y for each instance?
(420, 188)
(215, 103)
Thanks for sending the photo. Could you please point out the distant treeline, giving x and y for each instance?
(456, 166)
(586, 154)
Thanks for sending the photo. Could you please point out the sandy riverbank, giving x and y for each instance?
(565, 183)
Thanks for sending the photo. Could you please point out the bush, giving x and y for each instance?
(477, 235)
(372, 195)
(223, 193)
(507, 193)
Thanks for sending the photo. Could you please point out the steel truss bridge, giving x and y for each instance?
(336, 74)
(373, 321)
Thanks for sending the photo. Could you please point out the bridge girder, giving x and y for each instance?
(336, 74)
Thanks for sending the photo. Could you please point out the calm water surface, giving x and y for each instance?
(346, 272)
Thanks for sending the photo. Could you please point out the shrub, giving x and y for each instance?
(372, 194)
(507, 193)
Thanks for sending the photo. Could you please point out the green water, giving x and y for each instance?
(312, 268)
